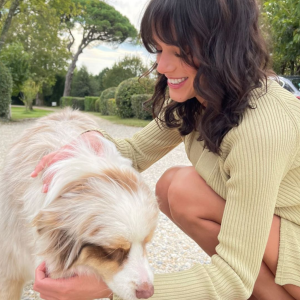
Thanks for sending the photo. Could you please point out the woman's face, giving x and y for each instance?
(180, 75)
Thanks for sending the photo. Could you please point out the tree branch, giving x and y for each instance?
(72, 42)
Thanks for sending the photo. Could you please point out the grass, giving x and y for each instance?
(126, 122)
(19, 113)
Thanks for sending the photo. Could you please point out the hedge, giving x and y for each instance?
(128, 88)
(140, 109)
(6, 84)
(112, 107)
(104, 97)
(97, 103)
(89, 103)
(74, 102)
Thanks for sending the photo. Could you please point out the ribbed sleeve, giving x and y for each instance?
(148, 145)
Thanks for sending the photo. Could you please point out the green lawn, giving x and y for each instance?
(118, 120)
(19, 113)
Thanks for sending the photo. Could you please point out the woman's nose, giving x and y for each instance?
(165, 64)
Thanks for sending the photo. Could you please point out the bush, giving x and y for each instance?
(74, 102)
(97, 104)
(105, 96)
(89, 103)
(6, 85)
(140, 110)
(128, 88)
(112, 107)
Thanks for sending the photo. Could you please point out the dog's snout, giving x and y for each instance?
(144, 291)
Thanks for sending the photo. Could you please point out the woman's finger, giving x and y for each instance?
(44, 162)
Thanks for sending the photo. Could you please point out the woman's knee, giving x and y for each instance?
(180, 195)
(190, 198)
(162, 187)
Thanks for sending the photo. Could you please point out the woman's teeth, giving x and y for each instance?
(176, 81)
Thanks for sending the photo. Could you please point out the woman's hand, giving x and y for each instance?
(74, 288)
(90, 137)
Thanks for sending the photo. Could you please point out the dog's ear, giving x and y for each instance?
(56, 243)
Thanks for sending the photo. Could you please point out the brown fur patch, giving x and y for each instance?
(126, 179)
(106, 261)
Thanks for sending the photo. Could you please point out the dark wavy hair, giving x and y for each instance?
(224, 36)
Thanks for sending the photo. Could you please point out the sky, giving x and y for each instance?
(97, 57)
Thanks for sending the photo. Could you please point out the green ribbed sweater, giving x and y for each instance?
(258, 174)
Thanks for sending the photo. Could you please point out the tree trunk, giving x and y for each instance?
(283, 67)
(7, 22)
(2, 2)
(70, 73)
(292, 67)
(39, 100)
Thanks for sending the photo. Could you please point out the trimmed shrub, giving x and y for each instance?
(89, 103)
(105, 95)
(140, 110)
(6, 85)
(97, 103)
(74, 102)
(128, 88)
(112, 107)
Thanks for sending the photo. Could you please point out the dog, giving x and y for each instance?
(96, 218)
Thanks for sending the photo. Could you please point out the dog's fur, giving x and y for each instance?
(97, 216)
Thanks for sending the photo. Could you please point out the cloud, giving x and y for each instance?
(99, 56)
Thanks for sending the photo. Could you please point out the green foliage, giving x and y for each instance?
(281, 17)
(141, 110)
(128, 67)
(29, 91)
(97, 104)
(81, 84)
(17, 60)
(100, 76)
(128, 88)
(101, 22)
(5, 91)
(74, 102)
(37, 26)
(89, 103)
(56, 91)
(112, 107)
(105, 96)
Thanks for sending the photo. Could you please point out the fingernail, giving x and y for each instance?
(33, 174)
(45, 188)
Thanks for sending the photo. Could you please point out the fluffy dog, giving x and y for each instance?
(97, 216)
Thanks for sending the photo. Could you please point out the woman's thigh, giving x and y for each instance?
(185, 195)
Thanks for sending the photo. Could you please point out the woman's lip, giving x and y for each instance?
(176, 86)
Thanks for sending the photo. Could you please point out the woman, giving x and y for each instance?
(241, 199)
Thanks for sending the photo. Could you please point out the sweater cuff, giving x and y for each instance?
(189, 284)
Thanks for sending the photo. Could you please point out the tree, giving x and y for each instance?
(13, 7)
(40, 36)
(17, 60)
(81, 85)
(100, 77)
(128, 67)
(5, 92)
(29, 91)
(282, 19)
(99, 22)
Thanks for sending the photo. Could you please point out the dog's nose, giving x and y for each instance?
(144, 291)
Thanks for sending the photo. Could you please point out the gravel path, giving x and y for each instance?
(171, 250)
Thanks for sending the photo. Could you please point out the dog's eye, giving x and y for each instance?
(119, 255)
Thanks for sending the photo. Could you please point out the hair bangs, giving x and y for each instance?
(168, 22)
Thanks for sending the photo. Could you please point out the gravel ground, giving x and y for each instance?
(171, 250)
